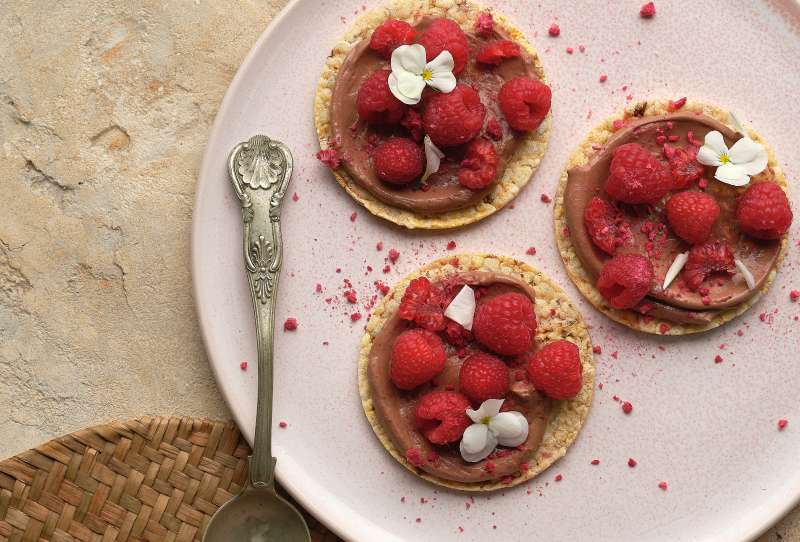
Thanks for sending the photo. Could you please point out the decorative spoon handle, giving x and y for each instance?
(260, 170)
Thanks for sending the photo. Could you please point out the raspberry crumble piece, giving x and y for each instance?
(329, 157)
(782, 424)
(414, 457)
(393, 255)
(554, 30)
(648, 10)
(631, 463)
(290, 323)
(531, 251)
(662, 485)
(627, 407)
(243, 365)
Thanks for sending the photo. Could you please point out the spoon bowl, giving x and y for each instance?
(260, 170)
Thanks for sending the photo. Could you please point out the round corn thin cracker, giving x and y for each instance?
(557, 319)
(598, 136)
(520, 167)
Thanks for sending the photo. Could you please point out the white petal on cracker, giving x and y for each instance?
(433, 158)
(462, 308)
(737, 124)
(748, 276)
(675, 268)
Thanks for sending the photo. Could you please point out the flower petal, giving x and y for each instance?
(492, 407)
(410, 85)
(443, 82)
(505, 425)
(737, 124)
(707, 157)
(397, 59)
(523, 435)
(748, 276)
(474, 438)
(441, 64)
(715, 143)
(414, 58)
(731, 174)
(743, 151)
(393, 86)
(462, 308)
(491, 443)
(476, 415)
(758, 163)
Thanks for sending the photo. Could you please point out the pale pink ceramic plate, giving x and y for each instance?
(709, 430)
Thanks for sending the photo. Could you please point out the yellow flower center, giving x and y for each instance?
(486, 420)
(724, 159)
(426, 75)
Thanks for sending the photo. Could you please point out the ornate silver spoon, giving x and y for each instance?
(260, 170)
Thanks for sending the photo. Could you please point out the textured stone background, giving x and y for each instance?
(105, 109)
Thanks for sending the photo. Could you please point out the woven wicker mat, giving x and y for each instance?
(158, 480)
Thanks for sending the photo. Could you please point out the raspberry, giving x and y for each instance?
(495, 51)
(375, 103)
(445, 34)
(329, 157)
(704, 260)
(524, 102)
(602, 219)
(648, 10)
(442, 417)
(764, 211)
(391, 35)
(684, 167)
(483, 376)
(692, 215)
(422, 303)
(455, 117)
(417, 356)
(556, 370)
(484, 24)
(399, 161)
(636, 176)
(625, 280)
(479, 167)
(506, 324)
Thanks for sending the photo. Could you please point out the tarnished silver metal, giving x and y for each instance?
(260, 170)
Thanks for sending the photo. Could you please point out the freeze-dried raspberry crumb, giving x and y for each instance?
(706, 300)
(355, 316)
(422, 302)
(379, 246)
(663, 328)
(243, 365)
(631, 463)
(677, 104)
(554, 30)
(545, 198)
(353, 217)
(319, 287)
(419, 520)
(295, 198)
(531, 251)
(290, 323)
(508, 480)
(493, 129)
(494, 52)
(684, 166)
(451, 245)
(603, 77)
(329, 157)
(523, 467)
(479, 166)
(648, 10)
(489, 467)
(413, 121)
(393, 254)
(558, 478)
(603, 220)
(386, 269)
(525, 102)
(597, 350)
(718, 359)
(414, 457)
(595, 461)
(351, 296)
(485, 24)
(794, 295)
(282, 424)
(662, 485)
(782, 424)
(391, 35)
(519, 376)
(570, 50)
(627, 407)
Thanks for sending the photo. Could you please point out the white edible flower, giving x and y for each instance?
(462, 308)
(433, 158)
(491, 428)
(410, 73)
(675, 268)
(734, 165)
(748, 276)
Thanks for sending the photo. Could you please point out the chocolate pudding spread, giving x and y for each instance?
(651, 235)
(395, 407)
(356, 139)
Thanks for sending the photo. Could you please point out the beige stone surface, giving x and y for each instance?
(105, 109)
